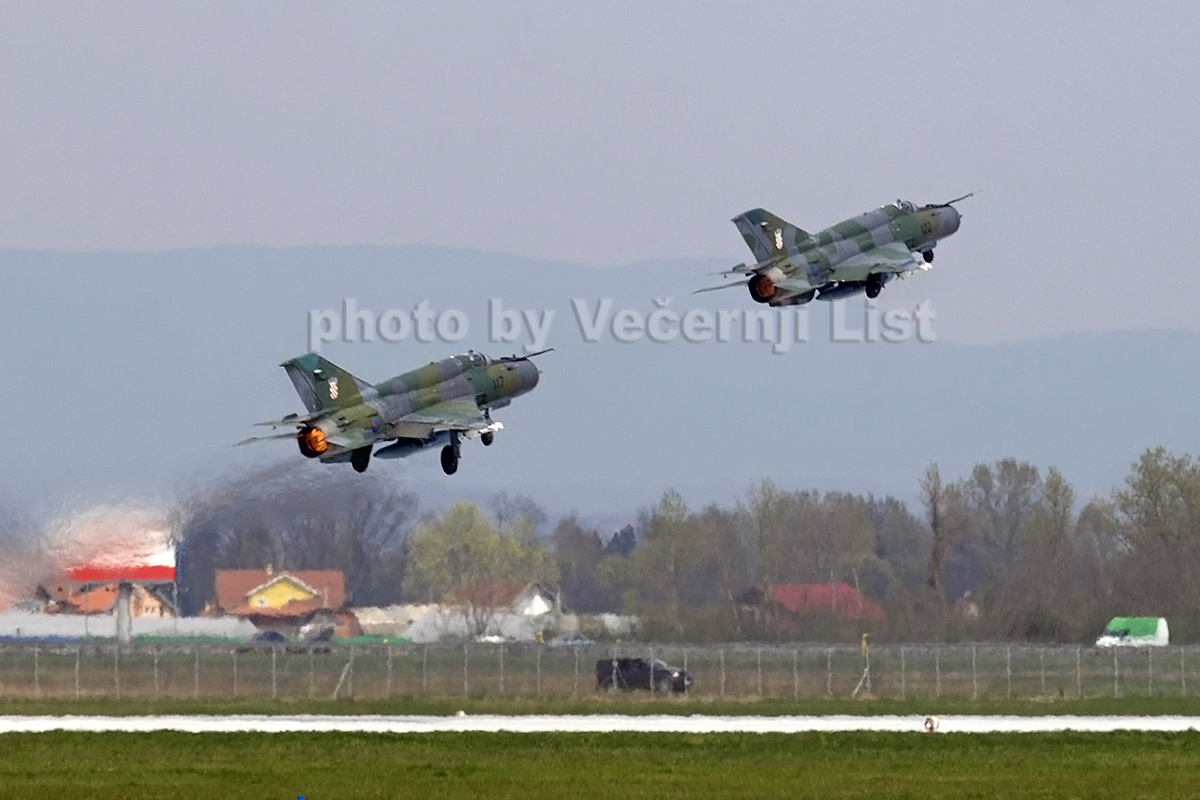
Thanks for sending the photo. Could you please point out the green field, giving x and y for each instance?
(603, 703)
(597, 766)
(224, 671)
(632, 703)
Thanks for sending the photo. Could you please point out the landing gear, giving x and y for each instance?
(488, 438)
(361, 458)
(449, 459)
(928, 256)
(450, 455)
(875, 283)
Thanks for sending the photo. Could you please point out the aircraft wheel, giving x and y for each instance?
(928, 256)
(874, 284)
(449, 460)
(488, 438)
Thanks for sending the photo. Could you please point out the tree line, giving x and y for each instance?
(1006, 552)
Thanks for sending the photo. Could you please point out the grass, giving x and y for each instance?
(659, 766)
(634, 703)
(928, 674)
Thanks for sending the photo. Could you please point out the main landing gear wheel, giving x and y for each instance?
(488, 438)
(449, 459)
(360, 459)
(875, 284)
(928, 256)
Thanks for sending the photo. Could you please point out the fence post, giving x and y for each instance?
(795, 674)
(196, 675)
(1008, 669)
(651, 663)
(722, 651)
(156, 672)
(312, 669)
(501, 647)
(350, 677)
(78, 653)
(758, 661)
(424, 663)
(937, 673)
(974, 677)
(274, 685)
(233, 656)
(1150, 672)
(1182, 672)
(829, 672)
(539, 671)
(1078, 674)
(117, 668)
(37, 678)
(1042, 656)
(1116, 675)
(387, 687)
(687, 689)
(575, 685)
(903, 687)
(466, 670)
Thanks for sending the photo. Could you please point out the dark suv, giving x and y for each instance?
(641, 673)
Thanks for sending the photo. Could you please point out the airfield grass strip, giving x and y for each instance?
(660, 766)
(635, 703)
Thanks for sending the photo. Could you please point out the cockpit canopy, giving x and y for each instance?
(478, 359)
(906, 206)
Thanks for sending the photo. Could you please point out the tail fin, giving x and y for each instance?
(323, 385)
(768, 235)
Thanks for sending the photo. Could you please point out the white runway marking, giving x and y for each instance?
(590, 724)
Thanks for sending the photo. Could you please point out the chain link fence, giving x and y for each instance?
(230, 671)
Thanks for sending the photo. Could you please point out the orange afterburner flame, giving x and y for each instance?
(762, 288)
(312, 442)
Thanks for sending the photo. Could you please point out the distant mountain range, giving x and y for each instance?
(133, 374)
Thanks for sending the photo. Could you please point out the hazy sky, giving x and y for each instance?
(608, 133)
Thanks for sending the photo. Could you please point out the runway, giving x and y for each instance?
(591, 724)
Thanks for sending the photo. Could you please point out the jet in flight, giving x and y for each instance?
(860, 254)
(436, 405)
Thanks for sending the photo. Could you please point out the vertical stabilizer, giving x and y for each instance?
(767, 235)
(323, 385)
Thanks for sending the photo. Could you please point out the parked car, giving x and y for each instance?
(493, 638)
(263, 640)
(570, 640)
(269, 640)
(641, 673)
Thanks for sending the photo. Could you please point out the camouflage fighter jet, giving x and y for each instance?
(436, 405)
(860, 254)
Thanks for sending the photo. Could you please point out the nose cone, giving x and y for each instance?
(529, 374)
(949, 220)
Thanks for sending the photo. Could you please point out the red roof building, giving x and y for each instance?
(260, 592)
(841, 600)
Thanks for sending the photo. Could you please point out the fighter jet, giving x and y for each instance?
(860, 254)
(436, 405)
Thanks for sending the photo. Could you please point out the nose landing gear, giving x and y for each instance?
(875, 283)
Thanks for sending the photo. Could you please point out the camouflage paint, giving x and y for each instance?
(799, 264)
(454, 394)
